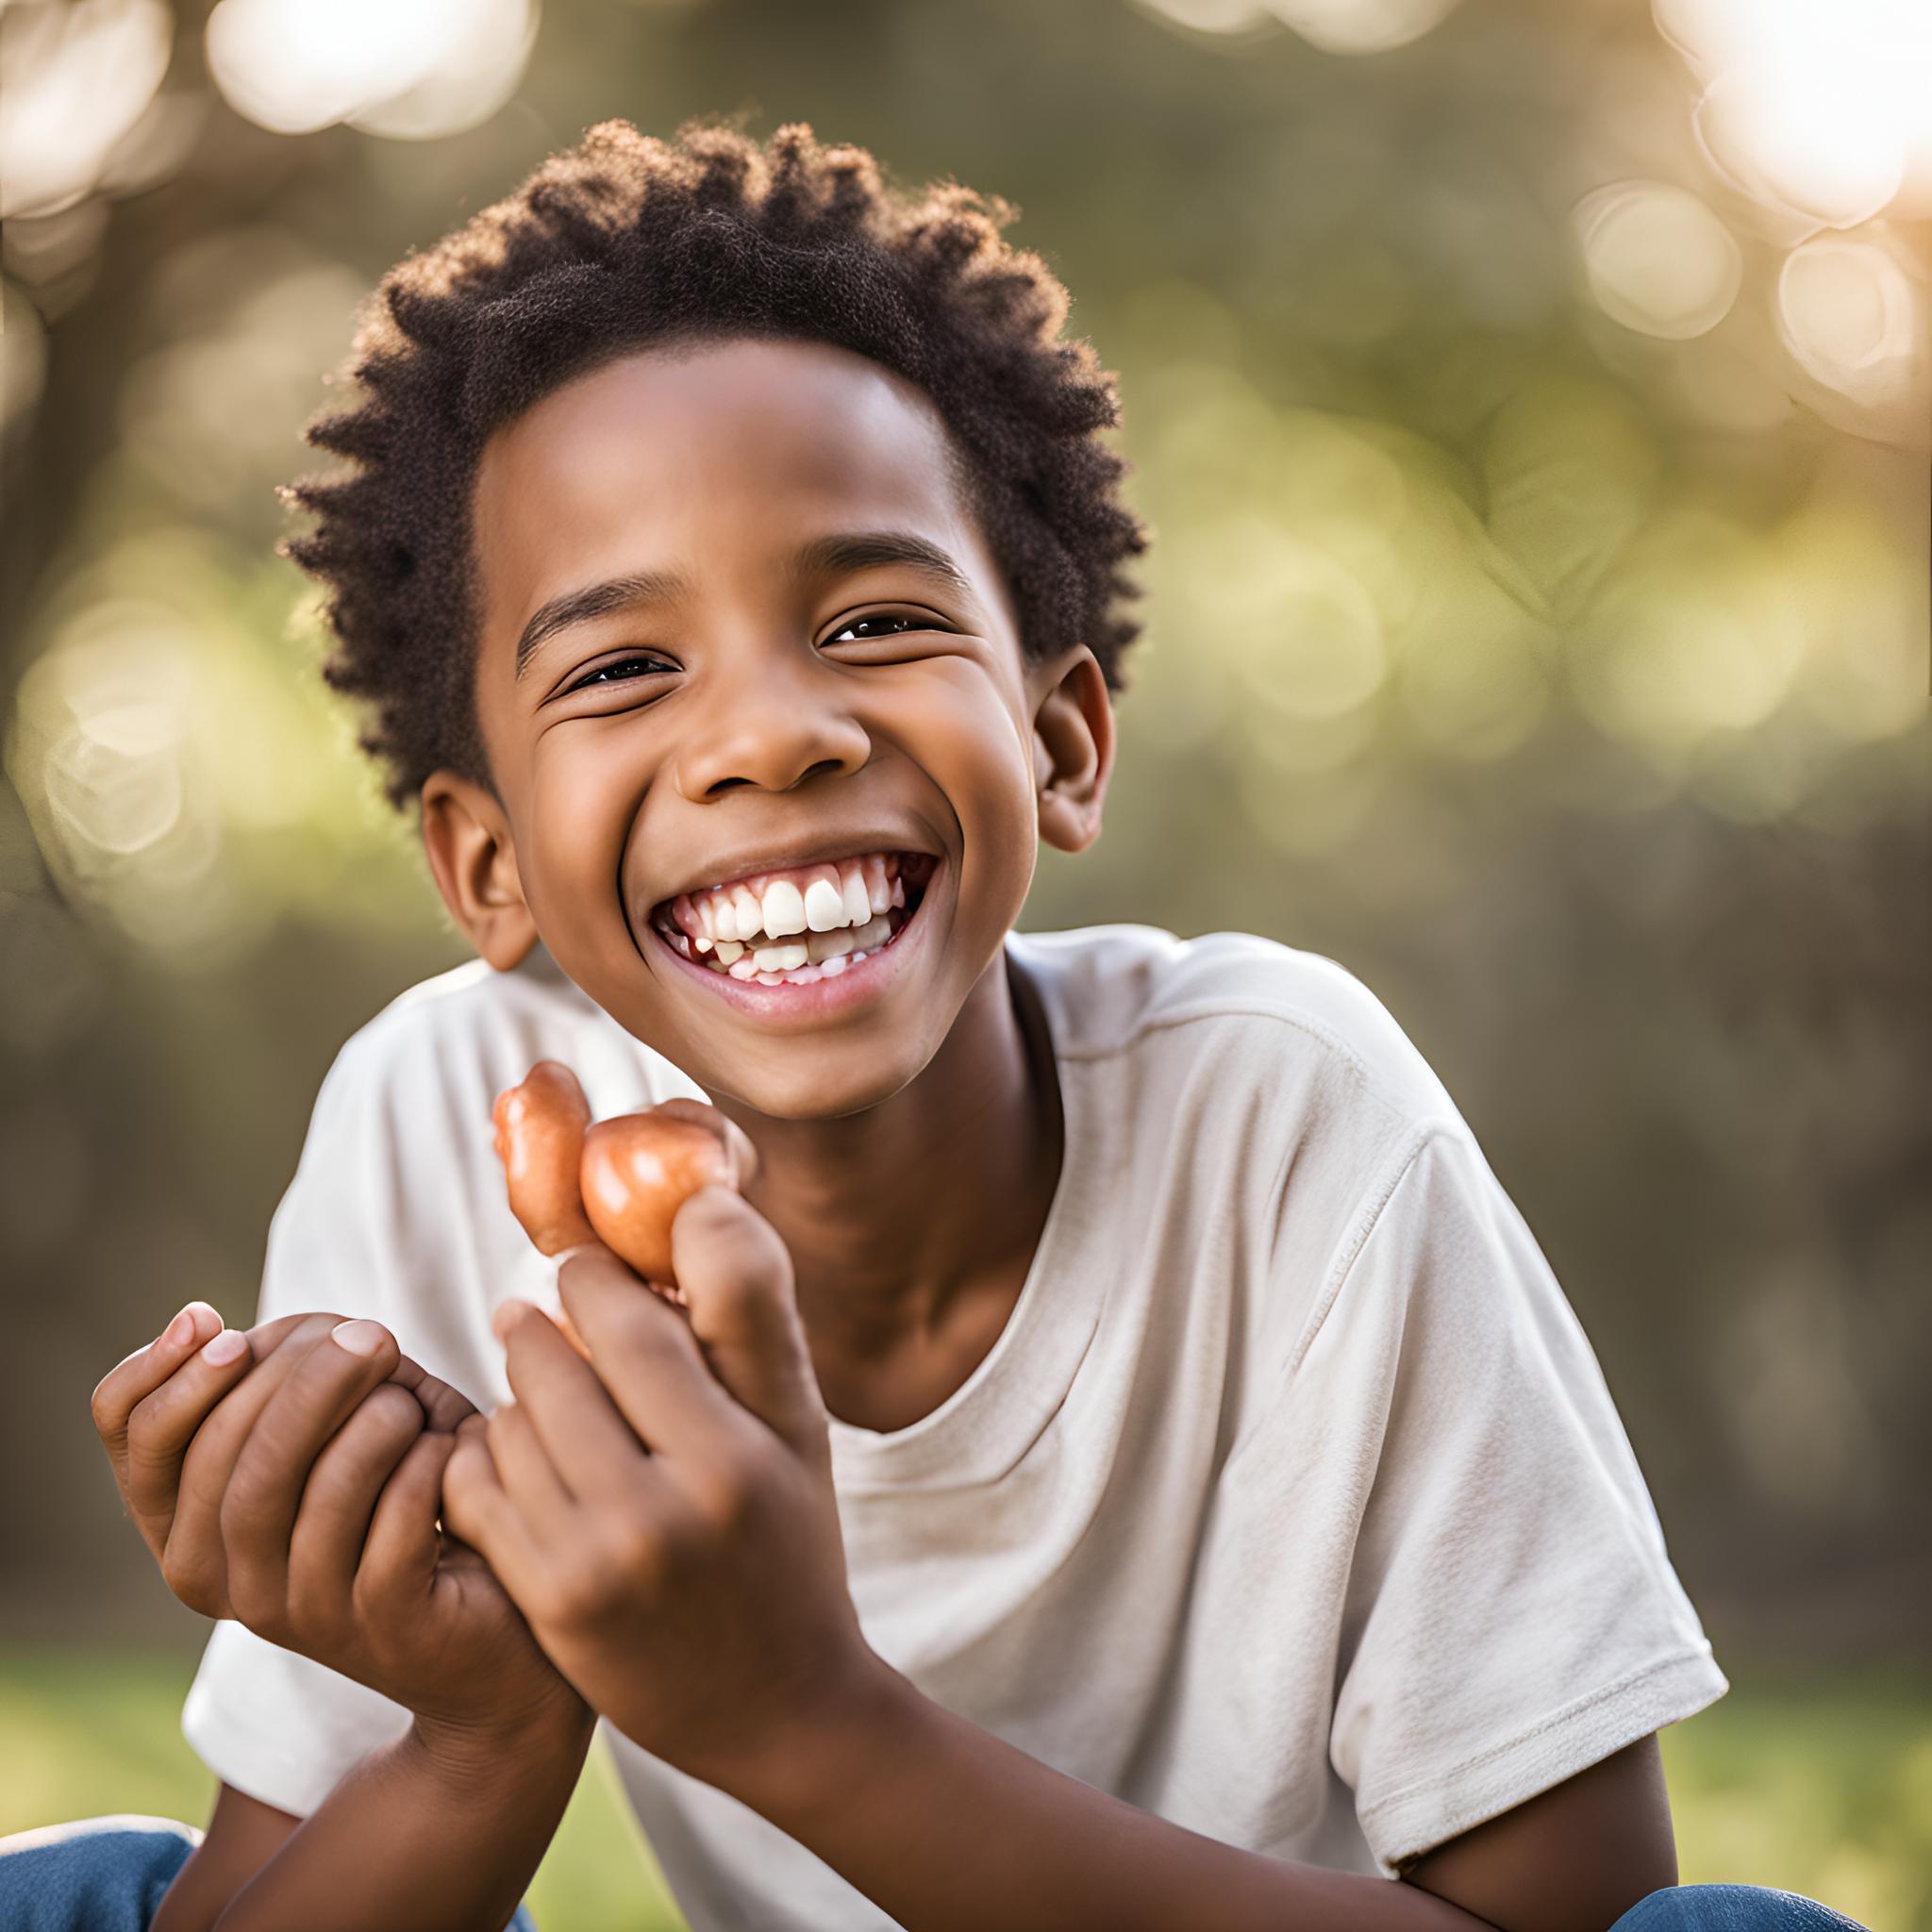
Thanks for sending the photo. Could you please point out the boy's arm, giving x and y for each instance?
(440, 1832)
(649, 1575)
(291, 1481)
(947, 1827)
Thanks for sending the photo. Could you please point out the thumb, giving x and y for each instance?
(738, 1293)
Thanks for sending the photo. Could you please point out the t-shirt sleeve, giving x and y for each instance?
(270, 1723)
(1511, 1615)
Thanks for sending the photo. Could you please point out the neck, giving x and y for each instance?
(891, 1213)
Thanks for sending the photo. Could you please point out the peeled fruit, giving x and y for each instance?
(540, 1139)
(637, 1171)
(619, 1181)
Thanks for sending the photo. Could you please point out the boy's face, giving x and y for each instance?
(772, 691)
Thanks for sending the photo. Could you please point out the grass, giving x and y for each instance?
(1820, 1785)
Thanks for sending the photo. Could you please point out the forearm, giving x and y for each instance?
(951, 1829)
(439, 1831)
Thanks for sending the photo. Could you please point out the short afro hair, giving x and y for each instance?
(624, 242)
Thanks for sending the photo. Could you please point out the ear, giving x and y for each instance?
(1073, 750)
(467, 840)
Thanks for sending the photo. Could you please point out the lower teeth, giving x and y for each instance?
(808, 975)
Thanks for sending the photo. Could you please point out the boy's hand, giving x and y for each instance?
(289, 1478)
(664, 1514)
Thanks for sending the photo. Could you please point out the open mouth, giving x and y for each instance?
(800, 926)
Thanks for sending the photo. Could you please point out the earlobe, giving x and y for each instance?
(1072, 752)
(467, 840)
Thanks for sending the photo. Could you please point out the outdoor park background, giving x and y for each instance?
(1531, 405)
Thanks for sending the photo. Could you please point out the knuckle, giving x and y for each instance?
(389, 1413)
(259, 1609)
(731, 1489)
(188, 1575)
(244, 1505)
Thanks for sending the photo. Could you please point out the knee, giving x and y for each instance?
(1731, 1909)
(102, 1873)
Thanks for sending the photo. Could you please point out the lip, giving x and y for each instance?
(808, 1006)
(793, 857)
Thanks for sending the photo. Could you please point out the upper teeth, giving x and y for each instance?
(828, 897)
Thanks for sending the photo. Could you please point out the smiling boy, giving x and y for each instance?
(1124, 1461)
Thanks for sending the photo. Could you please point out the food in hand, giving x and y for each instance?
(637, 1171)
(540, 1139)
(619, 1181)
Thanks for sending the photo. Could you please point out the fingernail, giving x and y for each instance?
(359, 1338)
(231, 1345)
(180, 1331)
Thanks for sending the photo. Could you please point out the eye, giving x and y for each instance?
(881, 624)
(613, 671)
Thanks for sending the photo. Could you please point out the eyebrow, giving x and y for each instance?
(843, 554)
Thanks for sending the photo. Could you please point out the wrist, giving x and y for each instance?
(872, 1723)
(551, 1736)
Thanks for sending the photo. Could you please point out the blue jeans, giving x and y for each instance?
(103, 1875)
(107, 1875)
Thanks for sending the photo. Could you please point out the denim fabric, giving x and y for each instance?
(1731, 1909)
(107, 1875)
(102, 1875)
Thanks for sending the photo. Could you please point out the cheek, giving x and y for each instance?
(972, 742)
(584, 800)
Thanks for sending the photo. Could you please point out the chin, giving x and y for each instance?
(822, 1091)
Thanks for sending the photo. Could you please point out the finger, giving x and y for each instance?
(528, 1477)
(398, 1559)
(338, 1499)
(444, 1404)
(192, 1557)
(136, 1376)
(644, 1353)
(744, 1309)
(264, 1490)
(477, 1510)
(588, 1441)
(163, 1423)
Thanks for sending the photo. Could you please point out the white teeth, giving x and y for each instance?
(831, 967)
(701, 906)
(745, 968)
(784, 910)
(719, 914)
(702, 943)
(898, 892)
(877, 895)
(750, 914)
(857, 900)
(729, 950)
(824, 906)
(777, 958)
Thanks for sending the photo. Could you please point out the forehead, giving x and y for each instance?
(713, 459)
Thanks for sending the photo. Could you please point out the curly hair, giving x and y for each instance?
(626, 242)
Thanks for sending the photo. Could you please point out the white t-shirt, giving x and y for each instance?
(1290, 1503)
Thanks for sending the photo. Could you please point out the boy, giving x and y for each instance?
(1123, 1461)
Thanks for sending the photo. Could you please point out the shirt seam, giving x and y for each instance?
(1563, 1714)
(1368, 1217)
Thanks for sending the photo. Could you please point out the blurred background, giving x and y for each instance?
(1532, 405)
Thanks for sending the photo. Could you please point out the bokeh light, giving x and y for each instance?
(1857, 317)
(1362, 27)
(1657, 259)
(414, 70)
(74, 79)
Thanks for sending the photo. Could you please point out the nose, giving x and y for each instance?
(768, 727)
